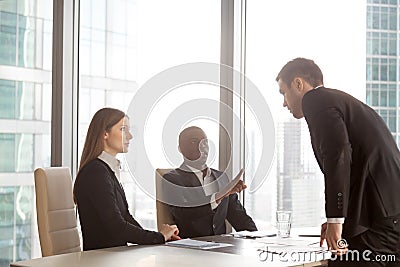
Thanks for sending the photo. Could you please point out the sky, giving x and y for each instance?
(331, 32)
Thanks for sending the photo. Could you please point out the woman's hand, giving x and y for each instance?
(170, 232)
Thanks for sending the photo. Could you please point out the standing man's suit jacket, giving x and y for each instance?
(202, 220)
(103, 210)
(358, 156)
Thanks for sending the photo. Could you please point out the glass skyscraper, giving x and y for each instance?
(382, 71)
(25, 112)
(300, 185)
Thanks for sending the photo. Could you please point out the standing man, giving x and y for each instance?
(196, 180)
(360, 162)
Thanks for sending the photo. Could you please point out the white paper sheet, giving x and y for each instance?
(190, 243)
(254, 234)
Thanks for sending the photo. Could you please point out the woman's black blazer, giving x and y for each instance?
(103, 210)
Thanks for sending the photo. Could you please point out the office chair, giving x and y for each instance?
(58, 232)
(163, 213)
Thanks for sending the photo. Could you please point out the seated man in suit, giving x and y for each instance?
(201, 214)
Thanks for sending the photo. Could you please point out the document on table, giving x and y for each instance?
(289, 244)
(228, 187)
(190, 243)
(254, 234)
(279, 248)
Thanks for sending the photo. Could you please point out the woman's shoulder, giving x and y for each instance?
(95, 166)
(94, 174)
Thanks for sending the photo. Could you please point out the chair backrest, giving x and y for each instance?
(163, 212)
(58, 232)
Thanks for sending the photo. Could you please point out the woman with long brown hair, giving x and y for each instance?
(101, 201)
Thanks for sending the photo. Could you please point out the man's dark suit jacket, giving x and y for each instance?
(103, 210)
(202, 220)
(358, 156)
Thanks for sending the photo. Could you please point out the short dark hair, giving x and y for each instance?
(303, 68)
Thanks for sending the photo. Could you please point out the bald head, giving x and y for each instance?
(193, 142)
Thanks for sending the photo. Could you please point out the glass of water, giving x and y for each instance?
(283, 223)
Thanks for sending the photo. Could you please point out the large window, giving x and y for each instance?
(125, 43)
(25, 106)
(275, 35)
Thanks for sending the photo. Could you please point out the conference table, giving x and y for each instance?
(230, 251)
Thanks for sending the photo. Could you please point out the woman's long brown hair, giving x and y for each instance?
(102, 122)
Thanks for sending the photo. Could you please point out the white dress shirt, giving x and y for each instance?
(335, 220)
(209, 187)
